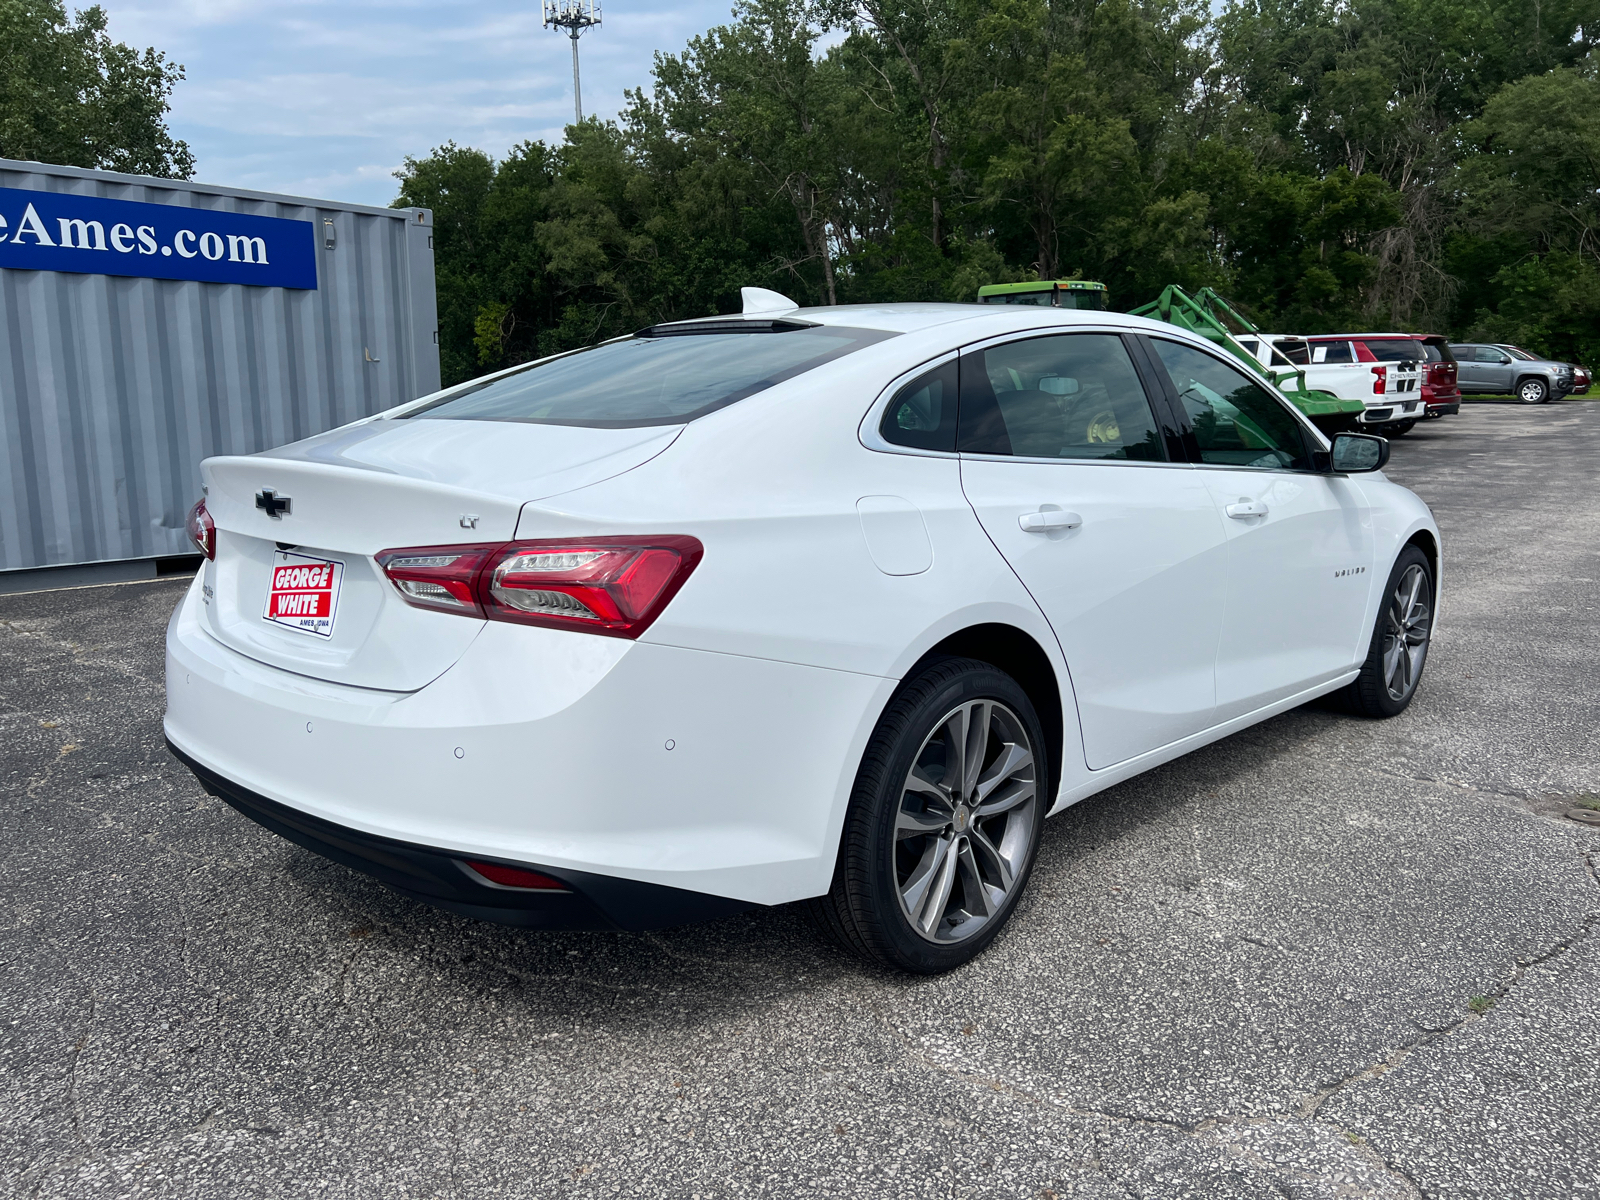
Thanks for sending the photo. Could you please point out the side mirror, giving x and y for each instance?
(1355, 453)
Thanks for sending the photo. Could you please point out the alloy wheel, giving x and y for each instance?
(965, 821)
(1532, 392)
(1408, 626)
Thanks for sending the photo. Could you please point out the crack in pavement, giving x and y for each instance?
(75, 1105)
(1307, 1113)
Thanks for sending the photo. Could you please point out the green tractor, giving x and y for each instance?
(1208, 315)
(1205, 313)
(1048, 293)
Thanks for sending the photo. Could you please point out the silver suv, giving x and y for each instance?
(1509, 370)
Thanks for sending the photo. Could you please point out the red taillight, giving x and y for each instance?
(516, 877)
(202, 530)
(1380, 380)
(611, 585)
(438, 577)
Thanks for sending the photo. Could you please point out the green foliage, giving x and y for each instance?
(71, 95)
(1324, 163)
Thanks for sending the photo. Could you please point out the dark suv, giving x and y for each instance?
(1488, 368)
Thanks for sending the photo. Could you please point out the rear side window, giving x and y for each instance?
(1072, 395)
(1396, 350)
(923, 413)
(1293, 352)
(1331, 352)
(651, 380)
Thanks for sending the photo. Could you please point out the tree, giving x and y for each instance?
(1325, 163)
(71, 95)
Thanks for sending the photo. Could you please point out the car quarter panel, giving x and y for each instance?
(773, 488)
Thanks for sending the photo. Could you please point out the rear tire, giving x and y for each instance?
(943, 824)
(1400, 639)
(1397, 429)
(1533, 391)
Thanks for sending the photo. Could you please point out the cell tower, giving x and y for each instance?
(576, 17)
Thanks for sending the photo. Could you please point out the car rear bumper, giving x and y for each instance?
(1387, 413)
(699, 772)
(438, 877)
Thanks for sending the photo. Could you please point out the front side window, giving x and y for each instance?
(923, 413)
(1237, 422)
(664, 380)
(1493, 354)
(1084, 299)
(1072, 395)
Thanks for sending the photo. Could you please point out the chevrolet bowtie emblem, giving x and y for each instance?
(274, 505)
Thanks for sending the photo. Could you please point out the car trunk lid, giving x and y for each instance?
(294, 583)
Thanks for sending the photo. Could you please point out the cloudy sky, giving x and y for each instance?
(326, 99)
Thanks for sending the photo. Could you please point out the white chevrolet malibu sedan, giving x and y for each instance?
(833, 605)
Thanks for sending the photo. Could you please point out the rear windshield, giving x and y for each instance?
(651, 380)
(1396, 350)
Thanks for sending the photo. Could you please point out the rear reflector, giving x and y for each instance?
(516, 877)
(611, 585)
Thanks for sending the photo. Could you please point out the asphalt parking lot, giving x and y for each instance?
(1322, 958)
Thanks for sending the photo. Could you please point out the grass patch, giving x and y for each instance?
(1481, 1004)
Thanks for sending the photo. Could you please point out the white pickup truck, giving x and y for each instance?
(1354, 367)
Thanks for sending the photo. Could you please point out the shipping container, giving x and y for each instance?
(146, 324)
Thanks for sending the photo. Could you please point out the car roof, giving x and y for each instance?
(914, 317)
(1345, 337)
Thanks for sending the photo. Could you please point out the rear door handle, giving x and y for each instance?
(1048, 519)
(1247, 508)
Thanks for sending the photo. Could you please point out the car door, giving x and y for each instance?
(1071, 475)
(1300, 541)
(1495, 369)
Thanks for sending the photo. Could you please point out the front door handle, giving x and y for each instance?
(1247, 508)
(1047, 519)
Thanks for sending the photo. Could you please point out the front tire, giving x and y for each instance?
(1533, 391)
(943, 823)
(1400, 640)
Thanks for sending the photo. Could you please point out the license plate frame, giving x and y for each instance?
(303, 593)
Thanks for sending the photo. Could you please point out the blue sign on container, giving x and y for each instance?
(89, 235)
